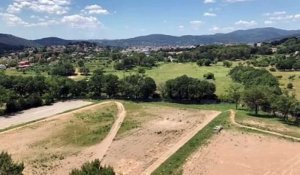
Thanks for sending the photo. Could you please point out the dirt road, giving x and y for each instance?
(96, 151)
(40, 113)
(105, 144)
(177, 146)
(232, 118)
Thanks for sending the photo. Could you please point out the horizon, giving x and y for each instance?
(91, 19)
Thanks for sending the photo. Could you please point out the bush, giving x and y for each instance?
(8, 167)
(209, 76)
(227, 64)
(272, 69)
(12, 106)
(290, 86)
(93, 168)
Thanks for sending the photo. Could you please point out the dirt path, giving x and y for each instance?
(40, 113)
(97, 151)
(177, 146)
(232, 119)
(105, 144)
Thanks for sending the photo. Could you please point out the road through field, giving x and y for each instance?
(232, 119)
(40, 113)
(178, 145)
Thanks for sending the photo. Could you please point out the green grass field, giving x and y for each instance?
(167, 71)
(285, 80)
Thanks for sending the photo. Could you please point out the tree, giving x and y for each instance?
(185, 88)
(234, 93)
(8, 167)
(255, 97)
(284, 104)
(96, 83)
(63, 69)
(93, 168)
(137, 87)
(111, 85)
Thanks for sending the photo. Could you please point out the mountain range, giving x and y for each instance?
(10, 42)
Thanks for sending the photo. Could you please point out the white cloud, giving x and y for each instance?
(209, 1)
(80, 21)
(217, 29)
(277, 13)
(268, 22)
(95, 9)
(209, 14)
(181, 27)
(234, 1)
(12, 20)
(281, 16)
(244, 23)
(196, 24)
(58, 7)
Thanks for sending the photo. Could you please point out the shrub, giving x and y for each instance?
(227, 64)
(272, 69)
(8, 167)
(93, 168)
(290, 86)
(209, 76)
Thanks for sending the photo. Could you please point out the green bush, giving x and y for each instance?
(8, 167)
(209, 76)
(93, 168)
(290, 86)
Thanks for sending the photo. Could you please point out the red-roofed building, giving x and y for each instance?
(23, 64)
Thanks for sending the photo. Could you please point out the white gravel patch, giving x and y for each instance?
(40, 113)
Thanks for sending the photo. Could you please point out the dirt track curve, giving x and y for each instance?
(104, 145)
(232, 119)
(177, 146)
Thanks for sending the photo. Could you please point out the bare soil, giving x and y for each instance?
(133, 153)
(30, 144)
(236, 153)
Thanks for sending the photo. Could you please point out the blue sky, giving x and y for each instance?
(114, 19)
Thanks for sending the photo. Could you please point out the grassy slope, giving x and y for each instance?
(86, 128)
(268, 123)
(284, 81)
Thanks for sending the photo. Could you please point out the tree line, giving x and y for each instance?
(20, 92)
(259, 90)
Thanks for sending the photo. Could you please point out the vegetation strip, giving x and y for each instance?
(174, 163)
(232, 119)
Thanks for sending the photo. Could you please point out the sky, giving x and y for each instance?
(118, 19)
